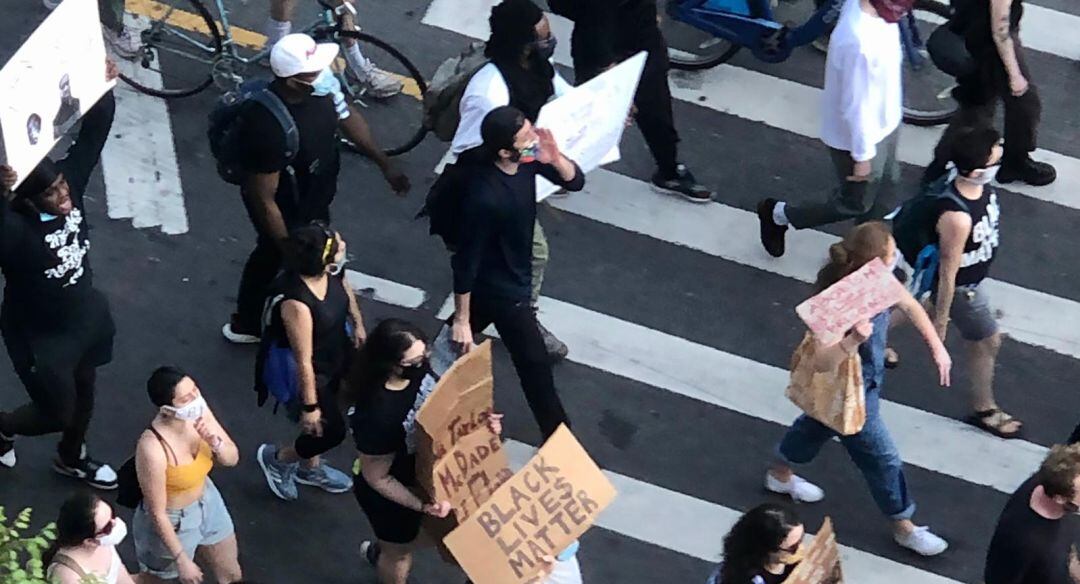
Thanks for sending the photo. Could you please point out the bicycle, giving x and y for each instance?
(705, 33)
(185, 30)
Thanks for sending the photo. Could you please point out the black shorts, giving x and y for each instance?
(45, 355)
(391, 522)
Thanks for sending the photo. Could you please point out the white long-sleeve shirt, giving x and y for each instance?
(863, 99)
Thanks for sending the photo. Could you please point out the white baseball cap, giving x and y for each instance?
(298, 53)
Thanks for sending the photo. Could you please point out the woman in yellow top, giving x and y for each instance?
(182, 511)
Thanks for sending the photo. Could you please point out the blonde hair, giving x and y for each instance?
(863, 243)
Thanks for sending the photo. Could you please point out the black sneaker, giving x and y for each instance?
(7, 450)
(684, 184)
(370, 550)
(96, 474)
(772, 235)
(1036, 174)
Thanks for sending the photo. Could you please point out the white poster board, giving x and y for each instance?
(51, 81)
(588, 121)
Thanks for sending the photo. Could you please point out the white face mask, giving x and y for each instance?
(335, 268)
(189, 412)
(985, 177)
(117, 535)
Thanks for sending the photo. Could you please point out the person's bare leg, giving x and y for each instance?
(395, 563)
(282, 10)
(781, 472)
(982, 357)
(288, 455)
(223, 560)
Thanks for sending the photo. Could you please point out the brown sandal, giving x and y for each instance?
(994, 422)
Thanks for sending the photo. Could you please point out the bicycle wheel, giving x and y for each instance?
(396, 123)
(690, 48)
(928, 99)
(180, 45)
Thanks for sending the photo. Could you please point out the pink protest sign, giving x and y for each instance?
(859, 296)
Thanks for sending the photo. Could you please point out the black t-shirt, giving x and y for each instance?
(982, 241)
(609, 31)
(316, 163)
(494, 256)
(330, 342)
(48, 280)
(1028, 548)
(385, 422)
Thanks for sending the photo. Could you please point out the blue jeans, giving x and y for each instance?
(872, 450)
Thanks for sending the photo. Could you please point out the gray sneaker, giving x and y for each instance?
(556, 349)
(325, 477)
(280, 477)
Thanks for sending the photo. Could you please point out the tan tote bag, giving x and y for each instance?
(834, 398)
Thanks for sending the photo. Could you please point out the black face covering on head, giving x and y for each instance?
(39, 179)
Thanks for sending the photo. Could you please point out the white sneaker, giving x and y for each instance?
(238, 338)
(922, 541)
(379, 83)
(7, 446)
(124, 45)
(51, 4)
(799, 489)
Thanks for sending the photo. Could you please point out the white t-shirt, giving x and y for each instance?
(863, 99)
(568, 572)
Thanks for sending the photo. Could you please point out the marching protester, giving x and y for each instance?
(607, 32)
(492, 266)
(964, 226)
(872, 448)
(57, 327)
(118, 38)
(311, 312)
(991, 32)
(376, 83)
(388, 384)
(520, 74)
(1034, 541)
(763, 547)
(87, 533)
(181, 511)
(282, 189)
(862, 107)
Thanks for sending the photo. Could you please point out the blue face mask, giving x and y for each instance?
(46, 217)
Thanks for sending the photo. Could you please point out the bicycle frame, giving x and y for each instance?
(769, 40)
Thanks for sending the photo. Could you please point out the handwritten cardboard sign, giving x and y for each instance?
(459, 459)
(544, 507)
(54, 78)
(859, 296)
(821, 560)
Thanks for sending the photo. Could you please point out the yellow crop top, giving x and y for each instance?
(186, 477)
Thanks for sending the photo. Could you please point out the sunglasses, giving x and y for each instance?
(108, 527)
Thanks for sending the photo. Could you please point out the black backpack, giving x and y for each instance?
(224, 138)
(128, 493)
(445, 199)
(915, 231)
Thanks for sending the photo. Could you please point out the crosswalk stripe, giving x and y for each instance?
(775, 102)
(385, 291)
(1029, 316)
(755, 389)
(693, 527)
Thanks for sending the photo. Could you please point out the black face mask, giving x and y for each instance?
(415, 372)
(1070, 507)
(545, 48)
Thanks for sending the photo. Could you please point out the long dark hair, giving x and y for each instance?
(381, 353)
(753, 540)
(74, 524)
(862, 244)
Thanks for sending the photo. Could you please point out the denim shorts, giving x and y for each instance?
(204, 522)
(972, 315)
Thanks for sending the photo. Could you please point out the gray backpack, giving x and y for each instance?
(443, 97)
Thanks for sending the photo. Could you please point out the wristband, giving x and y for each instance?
(310, 408)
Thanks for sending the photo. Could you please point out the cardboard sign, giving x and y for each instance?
(821, 560)
(471, 472)
(54, 78)
(459, 459)
(588, 121)
(859, 296)
(544, 507)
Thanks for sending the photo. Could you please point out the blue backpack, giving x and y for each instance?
(225, 144)
(915, 231)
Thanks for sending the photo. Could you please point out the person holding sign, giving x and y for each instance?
(57, 327)
(872, 448)
(493, 265)
(763, 547)
(388, 385)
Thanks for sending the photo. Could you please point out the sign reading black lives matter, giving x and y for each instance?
(541, 510)
(54, 78)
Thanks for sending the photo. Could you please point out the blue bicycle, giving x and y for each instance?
(705, 33)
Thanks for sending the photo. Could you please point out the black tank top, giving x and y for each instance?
(329, 316)
(982, 242)
(974, 17)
